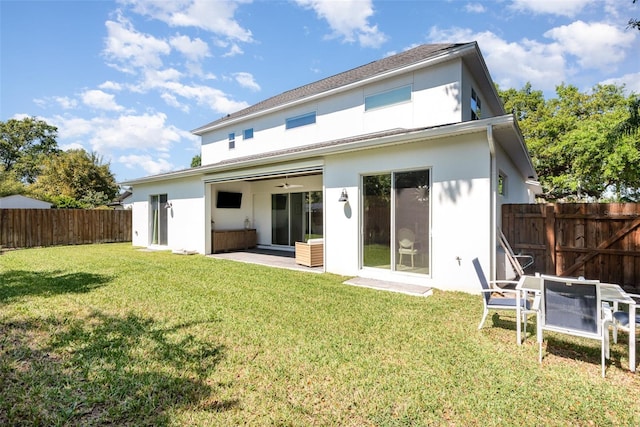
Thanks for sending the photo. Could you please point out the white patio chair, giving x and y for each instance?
(406, 242)
(574, 307)
(501, 299)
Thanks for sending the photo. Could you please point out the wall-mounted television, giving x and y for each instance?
(228, 200)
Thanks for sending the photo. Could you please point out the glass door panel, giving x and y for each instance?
(280, 219)
(158, 219)
(376, 248)
(296, 217)
(411, 221)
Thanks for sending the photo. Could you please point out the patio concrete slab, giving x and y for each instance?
(404, 288)
(286, 259)
(267, 257)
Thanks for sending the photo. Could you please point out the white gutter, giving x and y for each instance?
(494, 203)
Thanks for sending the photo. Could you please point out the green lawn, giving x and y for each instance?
(110, 335)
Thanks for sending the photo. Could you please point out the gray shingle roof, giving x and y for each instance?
(371, 69)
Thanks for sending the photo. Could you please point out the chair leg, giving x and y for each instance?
(484, 317)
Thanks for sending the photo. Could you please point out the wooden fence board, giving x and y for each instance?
(25, 228)
(595, 240)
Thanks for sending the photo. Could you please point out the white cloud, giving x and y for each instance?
(147, 163)
(246, 80)
(234, 50)
(131, 49)
(596, 45)
(194, 49)
(215, 16)
(513, 64)
(475, 8)
(568, 8)
(348, 19)
(631, 82)
(109, 85)
(65, 102)
(100, 100)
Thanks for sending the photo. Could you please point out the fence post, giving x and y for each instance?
(550, 232)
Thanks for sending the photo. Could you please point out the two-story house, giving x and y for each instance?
(400, 165)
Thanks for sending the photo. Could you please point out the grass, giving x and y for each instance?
(109, 335)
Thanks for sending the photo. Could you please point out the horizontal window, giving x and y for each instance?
(302, 120)
(395, 96)
(247, 133)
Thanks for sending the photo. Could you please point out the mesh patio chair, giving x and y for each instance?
(621, 319)
(574, 307)
(497, 298)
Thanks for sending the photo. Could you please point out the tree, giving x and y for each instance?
(10, 184)
(634, 23)
(583, 145)
(196, 161)
(77, 175)
(23, 145)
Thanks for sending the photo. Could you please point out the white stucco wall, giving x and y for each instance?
(186, 222)
(460, 214)
(435, 100)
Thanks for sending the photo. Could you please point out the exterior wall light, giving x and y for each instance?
(168, 205)
(344, 197)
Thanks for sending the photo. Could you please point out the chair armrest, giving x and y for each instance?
(501, 291)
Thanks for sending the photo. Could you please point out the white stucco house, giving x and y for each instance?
(18, 201)
(400, 166)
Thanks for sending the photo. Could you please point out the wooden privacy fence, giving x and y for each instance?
(595, 240)
(26, 228)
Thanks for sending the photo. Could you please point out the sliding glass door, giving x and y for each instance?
(296, 217)
(396, 221)
(158, 226)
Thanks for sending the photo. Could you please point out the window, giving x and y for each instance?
(391, 97)
(476, 106)
(247, 133)
(502, 184)
(232, 140)
(302, 120)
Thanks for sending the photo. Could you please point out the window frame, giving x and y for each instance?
(300, 120)
(232, 140)
(388, 98)
(245, 132)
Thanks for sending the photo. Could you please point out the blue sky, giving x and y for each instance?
(130, 79)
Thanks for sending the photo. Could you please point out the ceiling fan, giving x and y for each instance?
(286, 185)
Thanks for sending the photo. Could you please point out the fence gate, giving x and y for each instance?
(595, 240)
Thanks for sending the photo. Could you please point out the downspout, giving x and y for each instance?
(494, 202)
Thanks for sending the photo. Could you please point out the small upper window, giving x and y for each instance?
(390, 97)
(247, 133)
(476, 106)
(232, 140)
(302, 120)
(502, 184)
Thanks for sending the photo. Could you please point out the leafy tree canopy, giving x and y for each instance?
(196, 161)
(79, 176)
(583, 145)
(23, 145)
